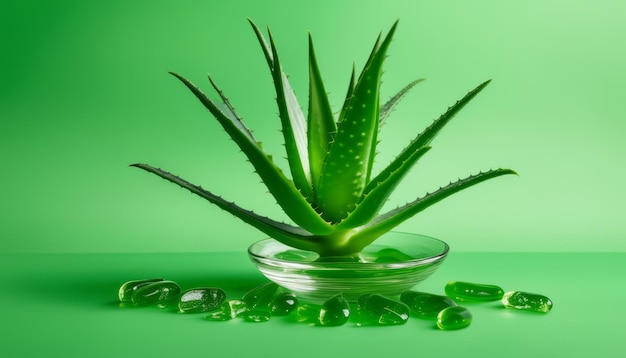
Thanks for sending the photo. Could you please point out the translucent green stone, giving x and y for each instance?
(380, 310)
(426, 305)
(308, 313)
(228, 310)
(456, 317)
(201, 300)
(126, 290)
(283, 304)
(256, 316)
(235, 307)
(261, 297)
(527, 301)
(467, 291)
(335, 311)
(156, 293)
(219, 316)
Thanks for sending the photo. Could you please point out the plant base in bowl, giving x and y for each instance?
(395, 263)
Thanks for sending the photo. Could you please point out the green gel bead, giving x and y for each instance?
(220, 316)
(261, 297)
(456, 317)
(426, 305)
(283, 304)
(380, 310)
(126, 290)
(201, 300)
(335, 311)
(156, 293)
(527, 301)
(466, 291)
(256, 316)
(227, 311)
(308, 313)
(235, 307)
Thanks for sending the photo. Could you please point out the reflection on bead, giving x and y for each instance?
(527, 301)
(201, 300)
(228, 310)
(426, 305)
(335, 311)
(256, 316)
(219, 316)
(308, 313)
(156, 293)
(126, 290)
(261, 296)
(456, 317)
(283, 304)
(380, 310)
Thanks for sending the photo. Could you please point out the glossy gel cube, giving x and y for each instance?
(260, 297)
(380, 310)
(126, 290)
(452, 318)
(527, 301)
(256, 316)
(466, 291)
(426, 305)
(201, 300)
(335, 311)
(283, 304)
(308, 313)
(228, 310)
(156, 293)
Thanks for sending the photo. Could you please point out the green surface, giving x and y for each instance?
(66, 305)
(84, 93)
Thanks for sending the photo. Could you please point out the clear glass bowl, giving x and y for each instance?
(393, 264)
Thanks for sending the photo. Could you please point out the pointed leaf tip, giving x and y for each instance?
(321, 122)
(340, 186)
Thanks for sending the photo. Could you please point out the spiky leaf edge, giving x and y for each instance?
(294, 126)
(426, 136)
(387, 221)
(387, 108)
(373, 202)
(287, 196)
(351, 84)
(321, 123)
(342, 187)
(289, 235)
(229, 110)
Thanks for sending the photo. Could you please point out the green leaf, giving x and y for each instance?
(229, 110)
(349, 161)
(294, 126)
(267, 51)
(287, 196)
(386, 222)
(388, 107)
(424, 138)
(374, 200)
(287, 234)
(351, 85)
(354, 81)
(321, 123)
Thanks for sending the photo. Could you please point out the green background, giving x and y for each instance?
(84, 92)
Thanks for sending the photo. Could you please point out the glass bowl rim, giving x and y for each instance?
(436, 255)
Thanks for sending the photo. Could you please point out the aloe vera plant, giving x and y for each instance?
(333, 197)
